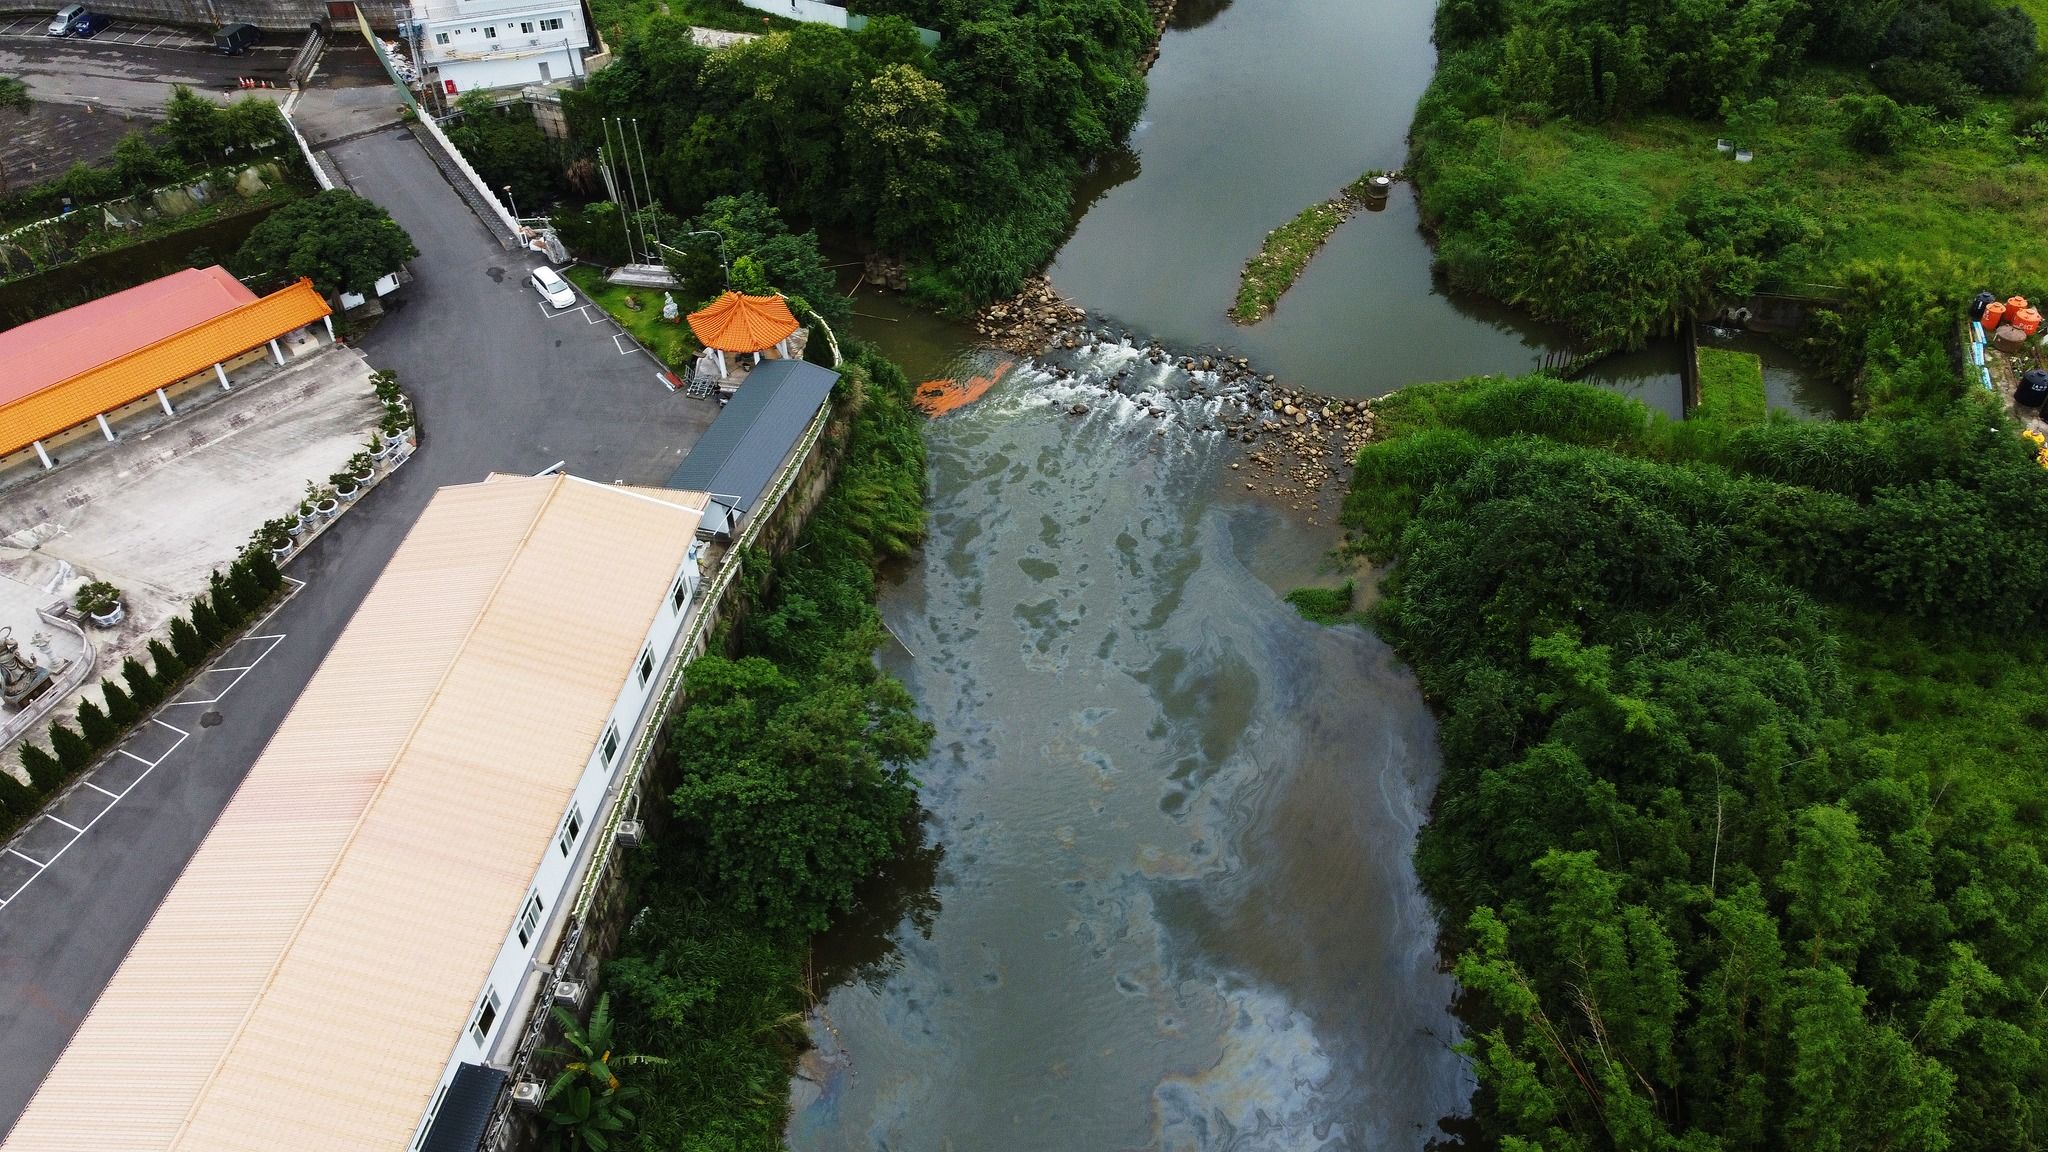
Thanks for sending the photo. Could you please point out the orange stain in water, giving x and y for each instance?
(938, 397)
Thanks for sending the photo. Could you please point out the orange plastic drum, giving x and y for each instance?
(2014, 304)
(2027, 320)
(1994, 315)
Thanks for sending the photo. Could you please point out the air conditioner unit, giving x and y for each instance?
(569, 994)
(528, 1094)
(630, 833)
(534, 42)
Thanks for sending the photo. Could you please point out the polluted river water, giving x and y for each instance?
(1166, 898)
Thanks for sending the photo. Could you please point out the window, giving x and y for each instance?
(440, 37)
(551, 24)
(490, 31)
(646, 665)
(486, 1015)
(571, 828)
(681, 593)
(529, 920)
(526, 26)
(611, 743)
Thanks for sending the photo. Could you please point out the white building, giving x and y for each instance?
(348, 962)
(472, 44)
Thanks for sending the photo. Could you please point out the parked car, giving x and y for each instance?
(235, 39)
(552, 288)
(60, 24)
(88, 25)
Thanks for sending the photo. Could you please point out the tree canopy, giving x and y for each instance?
(343, 242)
(1707, 899)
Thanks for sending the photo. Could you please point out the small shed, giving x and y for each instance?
(755, 434)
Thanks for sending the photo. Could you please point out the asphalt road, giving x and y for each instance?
(89, 93)
(499, 386)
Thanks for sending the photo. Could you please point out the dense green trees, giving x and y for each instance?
(792, 758)
(960, 157)
(508, 148)
(1708, 904)
(342, 241)
(1563, 153)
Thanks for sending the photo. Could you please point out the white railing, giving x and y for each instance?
(462, 165)
(305, 149)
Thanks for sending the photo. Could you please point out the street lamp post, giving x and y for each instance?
(722, 264)
(514, 203)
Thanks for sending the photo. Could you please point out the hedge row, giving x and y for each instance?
(232, 599)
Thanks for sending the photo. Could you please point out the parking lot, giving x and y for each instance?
(119, 32)
(88, 93)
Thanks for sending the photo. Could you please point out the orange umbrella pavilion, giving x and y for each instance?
(743, 324)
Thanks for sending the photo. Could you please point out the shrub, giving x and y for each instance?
(247, 587)
(99, 731)
(1929, 83)
(44, 771)
(141, 685)
(185, 641)
(96, 598)
(16, 797)
(169, 669)
(231, 610)
(207, 623)
(263, 566)
(121, 707)
(1877, 125)
(74, 752)
(1322, 605)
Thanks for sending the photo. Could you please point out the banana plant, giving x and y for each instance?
(586, 1106)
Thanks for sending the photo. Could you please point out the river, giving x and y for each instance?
(1173, 900)
(1167, 899)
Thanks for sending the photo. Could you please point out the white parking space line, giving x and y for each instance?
(42, 866)
(624, 349)
(239, 673)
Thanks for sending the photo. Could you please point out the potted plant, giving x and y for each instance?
(101, 601)
(276, 535)
(362, 468)
(322, 499)
(343, 485)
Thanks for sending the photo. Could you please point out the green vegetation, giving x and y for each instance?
(673, 343)
(1323, 605)
(1278, 263)
(341, 241)
(793, 755)
(1566, 156)
(585, 1105)
(509, 149)
(1739, 839)
(1731, 387)
(960, 158)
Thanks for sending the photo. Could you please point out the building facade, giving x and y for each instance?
(470, 45)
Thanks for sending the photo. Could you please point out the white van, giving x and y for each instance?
(552, 288)
(60, 24)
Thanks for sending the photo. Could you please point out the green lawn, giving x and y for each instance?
(674, 343)
(1731, 387)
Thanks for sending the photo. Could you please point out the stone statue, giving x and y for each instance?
(20, 679)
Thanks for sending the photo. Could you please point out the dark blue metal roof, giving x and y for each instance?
(466, 1110)
(739, 454)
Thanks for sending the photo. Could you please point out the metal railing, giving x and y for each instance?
(645, 747)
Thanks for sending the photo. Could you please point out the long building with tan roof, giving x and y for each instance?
(358, 933)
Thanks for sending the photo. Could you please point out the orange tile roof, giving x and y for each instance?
(136, 374)
(57, 347)
(736, 323)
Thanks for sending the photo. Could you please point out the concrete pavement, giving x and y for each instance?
(90, 93)
(500, 384)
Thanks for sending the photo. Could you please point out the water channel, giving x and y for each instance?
(1166, 899)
